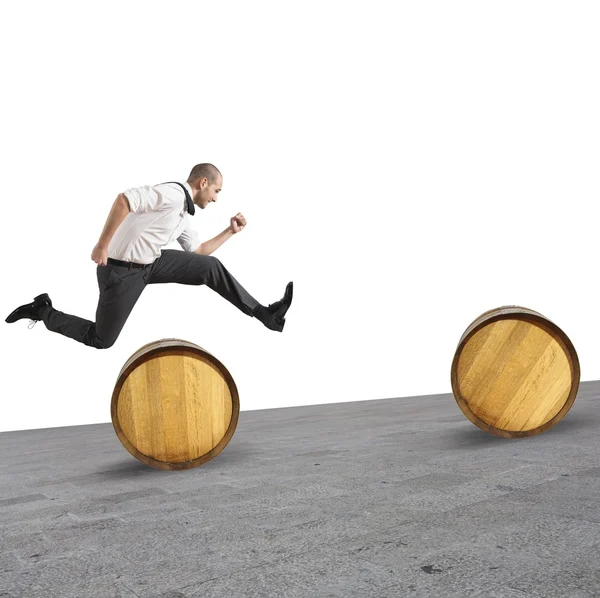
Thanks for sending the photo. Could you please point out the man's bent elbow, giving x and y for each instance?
(122, 199)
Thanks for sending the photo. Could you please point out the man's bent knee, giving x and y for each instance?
(100, 344)
(213, 262)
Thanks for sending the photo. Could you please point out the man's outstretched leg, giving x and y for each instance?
(195, 269)
(119, 291)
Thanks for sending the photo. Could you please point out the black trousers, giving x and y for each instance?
(120, 288)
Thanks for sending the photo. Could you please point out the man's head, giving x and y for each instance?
(206, 181)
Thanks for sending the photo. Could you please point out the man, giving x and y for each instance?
(129, 255)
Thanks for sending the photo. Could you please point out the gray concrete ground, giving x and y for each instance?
(382, 498)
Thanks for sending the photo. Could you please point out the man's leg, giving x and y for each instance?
(185, 267)
(120, 289)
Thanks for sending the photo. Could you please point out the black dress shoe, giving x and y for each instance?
(32, 311)
(272, 321)
(283, 303)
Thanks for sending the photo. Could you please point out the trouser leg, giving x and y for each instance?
(186, 267)
(119, 290)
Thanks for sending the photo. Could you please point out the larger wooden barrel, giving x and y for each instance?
(174, 406)
(515, 373)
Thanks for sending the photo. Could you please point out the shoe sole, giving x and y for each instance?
(287, 302)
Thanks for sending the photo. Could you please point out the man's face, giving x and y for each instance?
(208, 192)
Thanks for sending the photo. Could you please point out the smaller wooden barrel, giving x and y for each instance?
(515, 373)
(174, 405)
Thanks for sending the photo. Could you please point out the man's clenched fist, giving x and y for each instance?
(238, 222)
(100, 255)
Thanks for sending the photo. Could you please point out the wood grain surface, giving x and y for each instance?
(515, 373)
(174, 405)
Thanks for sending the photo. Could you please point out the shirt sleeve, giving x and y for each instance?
(148, 199)
(189, 239)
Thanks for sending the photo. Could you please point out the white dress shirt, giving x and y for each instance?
(158, 216)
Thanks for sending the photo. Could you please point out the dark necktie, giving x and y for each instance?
(188, 200)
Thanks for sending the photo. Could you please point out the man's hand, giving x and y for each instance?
(118, 213)
(238, 222)
(100, 254)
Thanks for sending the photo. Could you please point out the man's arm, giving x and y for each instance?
(209, 247)
(118, 213)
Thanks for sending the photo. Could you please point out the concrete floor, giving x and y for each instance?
(397, 497)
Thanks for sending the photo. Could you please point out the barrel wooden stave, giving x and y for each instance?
(174, 405)
(515, 373)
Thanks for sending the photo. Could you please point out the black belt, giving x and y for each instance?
(126, 264)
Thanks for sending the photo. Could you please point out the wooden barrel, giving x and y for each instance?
(515, 373)
(174, 405)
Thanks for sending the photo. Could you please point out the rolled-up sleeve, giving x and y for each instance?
(189, 239)
(148, 199)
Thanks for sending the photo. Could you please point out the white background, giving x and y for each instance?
(409, 165)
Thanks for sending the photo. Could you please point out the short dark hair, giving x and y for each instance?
(205, 170)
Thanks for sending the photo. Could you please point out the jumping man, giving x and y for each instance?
(129, 255)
